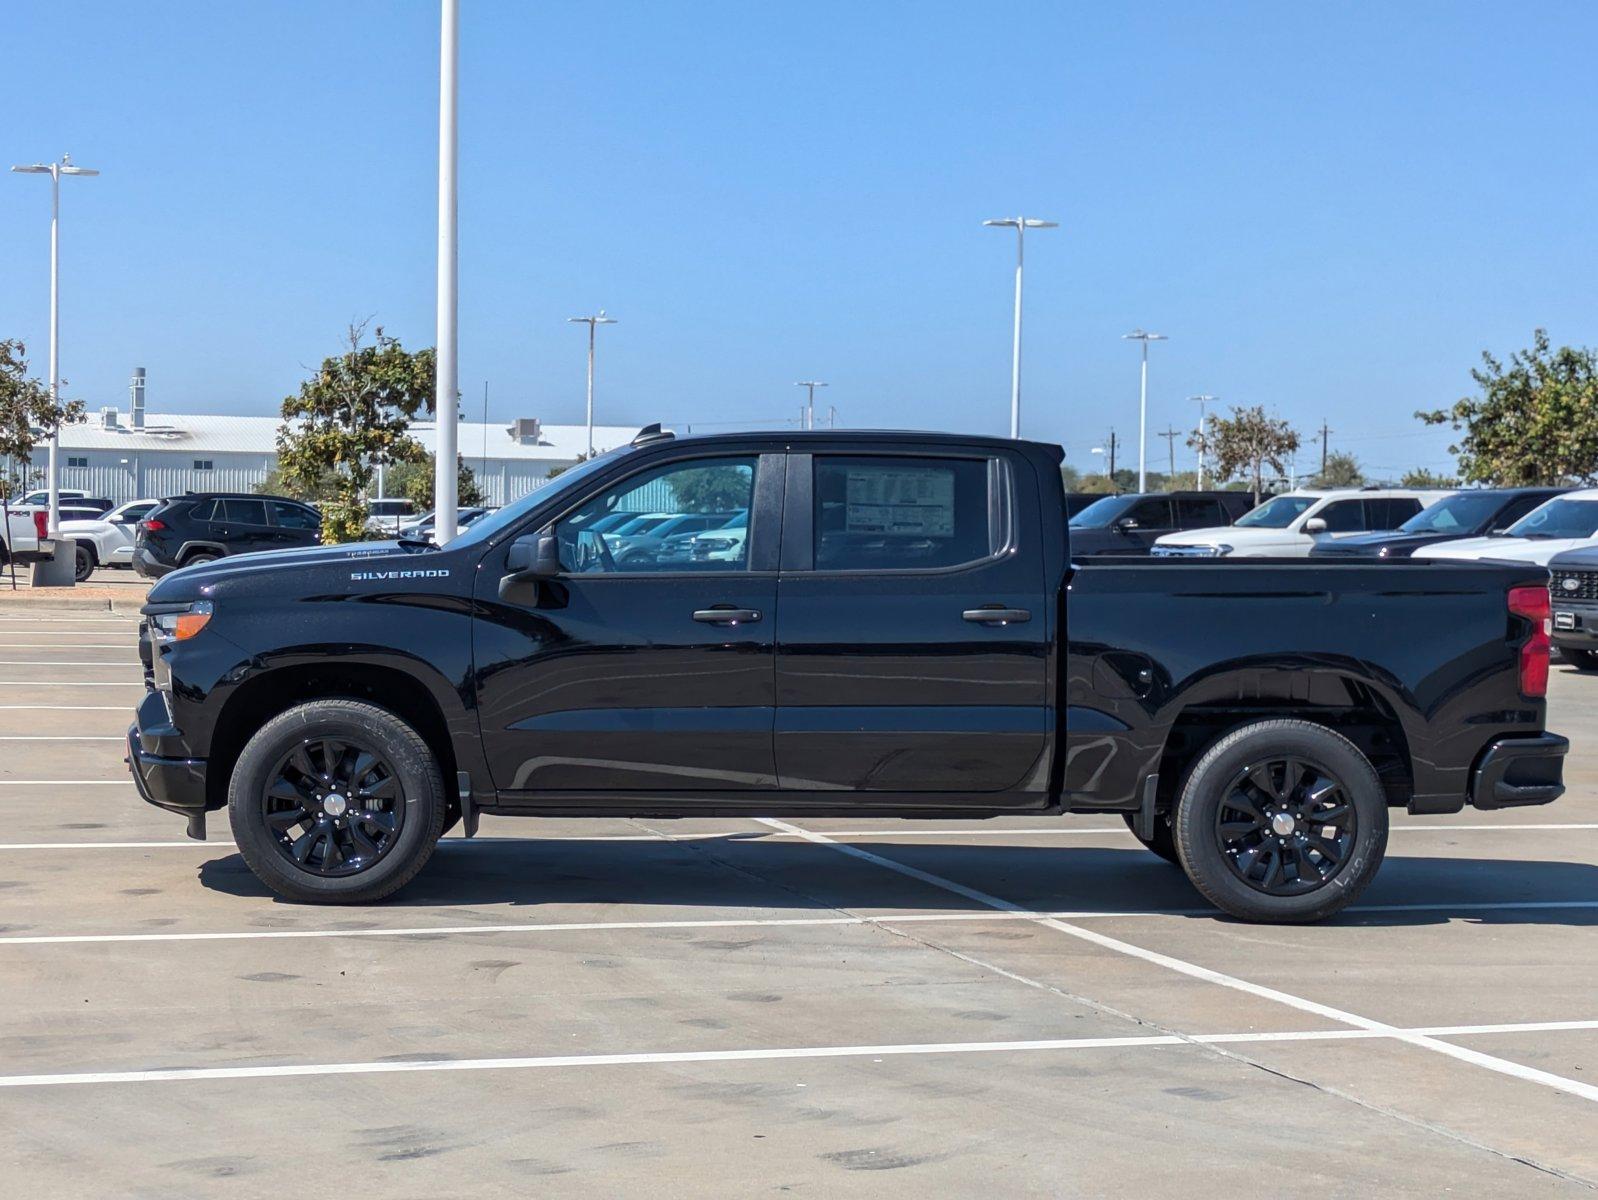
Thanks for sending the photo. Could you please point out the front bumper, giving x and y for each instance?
(175, 784)
(1575, 625)
(1514, 772)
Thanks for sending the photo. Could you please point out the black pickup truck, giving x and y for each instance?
(884, 625)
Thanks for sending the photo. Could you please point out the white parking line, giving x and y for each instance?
(66, 783)
(67, 707)
(55, 683)
(128, 645)
(60, 737)
(1571, 1087)
(897, 1050)
(52, 662)
(985, 915)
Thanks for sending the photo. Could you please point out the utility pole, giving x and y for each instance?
(1203, 435)
(1143, 336)
(446, 480)
(1170, 435)
(1326, 434)
(593, 323)
(832, 416)
(1020, 225)
(809, 411)
(1112, 456)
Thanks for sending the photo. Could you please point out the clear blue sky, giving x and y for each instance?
(1330, 208)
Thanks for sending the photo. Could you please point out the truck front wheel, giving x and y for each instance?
(1281, 821)
(336, 802)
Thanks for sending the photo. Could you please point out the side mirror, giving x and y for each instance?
(1126, 525)
(1315, 525)
(536, 556)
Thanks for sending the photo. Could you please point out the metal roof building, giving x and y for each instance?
(137, 455)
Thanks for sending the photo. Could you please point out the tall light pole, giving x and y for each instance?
(1020, 225)
(810, 405)
(1138, 335)
(1204, 434)
(446, 492)
(55, 171)
(597, 319)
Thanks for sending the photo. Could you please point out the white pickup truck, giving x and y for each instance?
(24, 534)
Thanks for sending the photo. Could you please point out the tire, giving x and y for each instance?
(1290, 871)
(84, 565)
(1582, 660)
(200, 556)
(307, 848)
(1164, 843)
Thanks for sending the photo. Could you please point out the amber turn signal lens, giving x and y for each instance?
(188, 624)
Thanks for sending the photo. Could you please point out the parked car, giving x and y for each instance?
(1288, 526)
(1129, 523)
(1573, 585)
(1483, 512)
(386, 515)
(106, 541)
(1075, 502)
(894, 641)
(1567, 522)
(73, 505)
(422, 527)
(201, 527)
(644, 545)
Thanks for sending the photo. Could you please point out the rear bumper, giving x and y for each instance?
(1517, 771)
(148, 565)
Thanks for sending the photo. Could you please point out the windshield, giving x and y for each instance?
(500, 519)
(1457, 514)
(1559, 519)
(1278, 513)
(1101, 513)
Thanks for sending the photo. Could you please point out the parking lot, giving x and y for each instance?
(730, 1007)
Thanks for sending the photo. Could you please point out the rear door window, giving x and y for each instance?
(892, 514)
(244, 512)
(1197, 512)
(293, 516)
(1391, 512)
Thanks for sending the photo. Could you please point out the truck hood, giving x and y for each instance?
(1231, 535)
(1527, 550)
(189, 583)
(1387, 544)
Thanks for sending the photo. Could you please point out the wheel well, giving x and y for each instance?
(1366, 722)
(86, 544)
(264, 697)
(190, 551)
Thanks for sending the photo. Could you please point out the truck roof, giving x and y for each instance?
(883, 436)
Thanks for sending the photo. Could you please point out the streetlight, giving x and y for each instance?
(55, 171)
(1203, 433)
(810, 405)
(446, 403)
(597, 319)
(1020, 225)
(1138, 335)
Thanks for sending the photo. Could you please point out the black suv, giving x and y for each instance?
(1129, 524)
(204, 526)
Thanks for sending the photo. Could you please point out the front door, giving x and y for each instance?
(912, 653)
(638, 669)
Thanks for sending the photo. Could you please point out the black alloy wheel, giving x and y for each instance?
(83, 563)
(1285, 826)
(334, 806)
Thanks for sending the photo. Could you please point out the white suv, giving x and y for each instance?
(1286, 526)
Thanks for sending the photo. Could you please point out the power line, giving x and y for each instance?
(1170, 436)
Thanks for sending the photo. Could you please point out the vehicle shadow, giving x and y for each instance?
(757, 871)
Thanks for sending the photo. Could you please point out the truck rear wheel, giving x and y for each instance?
(336, 802)
(1164, 841)
(1281, 821)
(83, 567)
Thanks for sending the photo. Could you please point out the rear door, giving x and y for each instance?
(1200, 512)
(912, 647)
(638, 675)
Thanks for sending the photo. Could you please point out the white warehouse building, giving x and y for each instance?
(138, 455)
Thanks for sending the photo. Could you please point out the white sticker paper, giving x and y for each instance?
(910, 503)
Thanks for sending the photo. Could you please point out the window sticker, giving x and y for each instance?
(910, 503)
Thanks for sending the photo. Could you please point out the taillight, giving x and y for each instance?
(152, 525)
(1533, 604)
(41, 524)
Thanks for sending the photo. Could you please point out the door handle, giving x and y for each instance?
(727, 615)
(997, 616)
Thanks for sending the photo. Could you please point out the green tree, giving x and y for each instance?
(1533, 422)
(1341, 471)
(26, 414)
(1422, 478)
(275, 483)
(710, 489)
(354, 413)
(1098, 484)
(564, 467)
(414, 481)
(1247, 442)
(1070, 477)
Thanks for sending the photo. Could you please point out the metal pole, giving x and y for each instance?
(592, 325)
(1015, 353)
(1142, 421)
(55, 348)
(446, 484)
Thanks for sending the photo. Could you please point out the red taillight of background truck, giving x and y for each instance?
(1533, 604)
(41, 524)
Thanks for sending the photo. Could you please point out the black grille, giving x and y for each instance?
(1575, 585)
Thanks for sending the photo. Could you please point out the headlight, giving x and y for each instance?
(1220, 550)
(181, 624)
